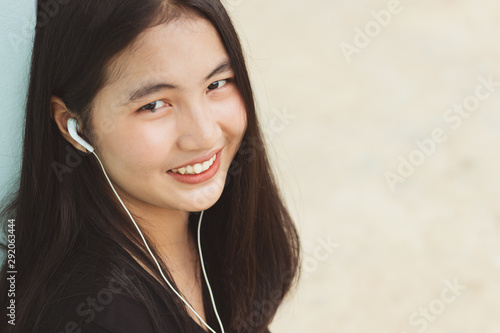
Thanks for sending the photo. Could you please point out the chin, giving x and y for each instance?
(206, 197)
(203, 203)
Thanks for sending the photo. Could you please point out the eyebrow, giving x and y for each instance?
(152, 87)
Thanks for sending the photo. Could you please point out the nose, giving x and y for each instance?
(199, 127)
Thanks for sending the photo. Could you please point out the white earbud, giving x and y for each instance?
(73, 132)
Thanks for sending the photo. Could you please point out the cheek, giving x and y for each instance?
(138, 149)
(233, 117)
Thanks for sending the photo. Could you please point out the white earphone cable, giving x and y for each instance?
(205, 274)
(158, 265)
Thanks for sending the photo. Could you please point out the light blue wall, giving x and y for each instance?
(17, 26)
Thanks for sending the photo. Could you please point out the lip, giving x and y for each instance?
(199, 178)
(201, 159)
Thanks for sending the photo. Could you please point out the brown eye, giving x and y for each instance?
(154, 106)
(217, 84)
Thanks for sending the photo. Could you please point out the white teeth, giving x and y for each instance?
(197, 168)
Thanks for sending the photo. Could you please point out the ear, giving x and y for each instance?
(60, 113)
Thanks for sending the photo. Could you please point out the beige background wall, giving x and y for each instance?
(422, 255)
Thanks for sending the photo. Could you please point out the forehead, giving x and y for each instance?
(183, 48)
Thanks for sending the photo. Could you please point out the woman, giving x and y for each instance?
(163, 135)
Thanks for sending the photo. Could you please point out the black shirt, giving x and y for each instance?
(121, 315)
(91, 304)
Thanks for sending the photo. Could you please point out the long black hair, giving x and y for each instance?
(64, 209)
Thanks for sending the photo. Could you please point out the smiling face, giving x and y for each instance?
(171, 99)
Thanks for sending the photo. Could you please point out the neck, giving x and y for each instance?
(169, 231)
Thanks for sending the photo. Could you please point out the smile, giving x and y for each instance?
(196, 168)
(197, 173)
